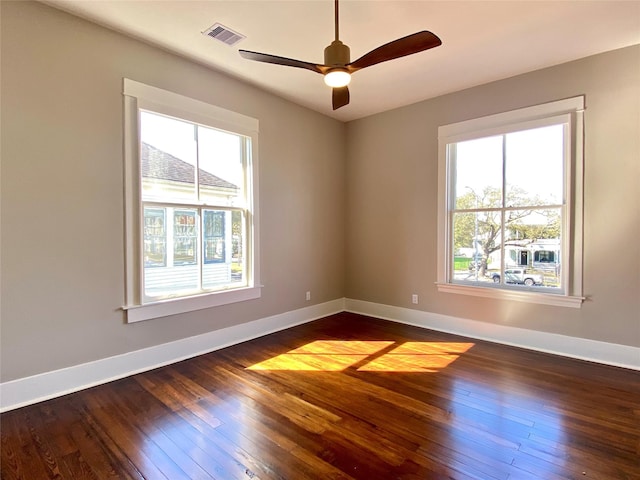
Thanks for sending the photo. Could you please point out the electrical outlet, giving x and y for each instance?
(308, 296)
(414, 299)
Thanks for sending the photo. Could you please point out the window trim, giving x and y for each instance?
(506, 122)
(138, 96)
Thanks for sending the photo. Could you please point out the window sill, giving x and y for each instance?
(174, 306)
(528, 296)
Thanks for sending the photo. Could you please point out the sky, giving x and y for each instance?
(534, 162)
(219, 151)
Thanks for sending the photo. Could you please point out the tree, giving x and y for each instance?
(538, 231)
(481, 228)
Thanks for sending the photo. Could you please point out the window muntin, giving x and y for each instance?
(190, 193)
(510, 190)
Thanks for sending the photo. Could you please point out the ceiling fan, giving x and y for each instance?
(337, 67)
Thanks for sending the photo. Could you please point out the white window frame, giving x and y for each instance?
(570, 112)
(138, 96)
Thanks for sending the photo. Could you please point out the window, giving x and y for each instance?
(510, 196)
(191, 216)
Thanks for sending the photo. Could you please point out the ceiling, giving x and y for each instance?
(482, 40)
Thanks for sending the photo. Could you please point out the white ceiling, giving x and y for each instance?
(482, 40)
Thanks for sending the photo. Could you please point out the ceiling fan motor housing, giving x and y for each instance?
(337, 54)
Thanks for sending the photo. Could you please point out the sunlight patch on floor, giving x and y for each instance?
(323, 356)
(368, 356)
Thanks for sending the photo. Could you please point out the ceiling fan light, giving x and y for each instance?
(337, 78)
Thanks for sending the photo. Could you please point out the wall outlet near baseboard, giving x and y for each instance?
(414, 299)
(308, 296)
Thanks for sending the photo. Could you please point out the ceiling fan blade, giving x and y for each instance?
(288, 62)
(340, 97)
(408, 45)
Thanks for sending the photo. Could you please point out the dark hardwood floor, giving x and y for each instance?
(346, 397)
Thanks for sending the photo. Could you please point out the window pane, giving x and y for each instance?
(476, 237)
(180, 273)
(534, 166)
(529, 226)
(478, 173)
(155, 237)
(223, 248)
(185, 237)
(532, 247)
(168, 157)
(221, 169)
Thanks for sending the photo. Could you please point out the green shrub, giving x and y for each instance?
(461, 263)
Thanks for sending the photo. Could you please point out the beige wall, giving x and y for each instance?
(62, 193)
(392, 200)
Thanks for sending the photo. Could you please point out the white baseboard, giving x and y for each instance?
(44, 386)
(580, 348)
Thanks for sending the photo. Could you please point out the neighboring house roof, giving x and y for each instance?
(163, 166)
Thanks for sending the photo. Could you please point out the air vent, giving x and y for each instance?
(223, 34)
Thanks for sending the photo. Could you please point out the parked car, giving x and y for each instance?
(519, 276)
